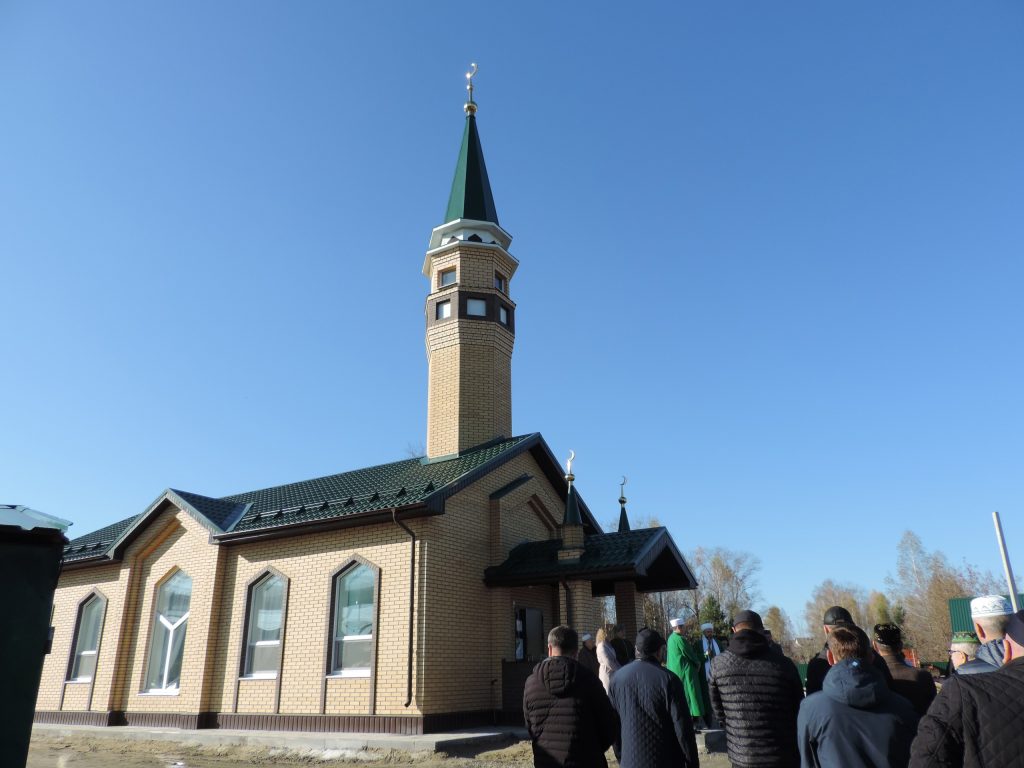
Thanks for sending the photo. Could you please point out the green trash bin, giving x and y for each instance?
(31, 547)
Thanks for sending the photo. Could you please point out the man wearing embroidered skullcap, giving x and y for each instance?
(989, 614)
(976, 720)
(963, 650)
(913, 684)
(684, 661)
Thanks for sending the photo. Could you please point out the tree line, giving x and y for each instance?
(916, 597)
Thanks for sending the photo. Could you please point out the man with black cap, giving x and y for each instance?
(855, 721)
(756, 693)
(818, 667)
(976, 720)
(656, 728)
(915, 685)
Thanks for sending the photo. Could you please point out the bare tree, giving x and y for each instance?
(727, 575)
(924, 584)
(879, 610)
(776, 621)
(829, 593)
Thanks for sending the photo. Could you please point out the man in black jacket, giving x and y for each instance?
(818, 667)
(855, 721)
(756, 694)
(976, 720)
(568, 716)
(657, 731)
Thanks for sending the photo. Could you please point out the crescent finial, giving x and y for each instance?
(568, 464)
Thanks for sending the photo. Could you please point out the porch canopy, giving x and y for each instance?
(647, 558)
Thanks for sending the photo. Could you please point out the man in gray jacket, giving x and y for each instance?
(989, 614)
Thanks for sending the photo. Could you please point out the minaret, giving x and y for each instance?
(470, 314)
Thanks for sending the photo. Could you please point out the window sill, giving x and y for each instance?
(78, 682)
(269, 676)
(168, 692)
(355, 673)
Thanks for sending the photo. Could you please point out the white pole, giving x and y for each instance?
(1006, 562)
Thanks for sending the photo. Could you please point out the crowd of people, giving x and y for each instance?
(863, 705)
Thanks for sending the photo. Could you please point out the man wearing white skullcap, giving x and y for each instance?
(989, 614)
(684, 661)
(710, 647)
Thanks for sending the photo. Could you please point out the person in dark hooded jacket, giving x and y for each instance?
(818, 667)
(568, 716)
(657, 731)
(756, 694)
(855, 721)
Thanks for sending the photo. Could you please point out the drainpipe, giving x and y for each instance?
(412, 599)
(568, 603)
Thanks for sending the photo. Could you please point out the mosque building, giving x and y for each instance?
(337, 604)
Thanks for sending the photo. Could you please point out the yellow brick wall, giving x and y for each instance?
(181, 543)
(452, 602)
(308, 563)
(74, 587)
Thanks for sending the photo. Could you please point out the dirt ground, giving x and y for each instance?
(86, 752)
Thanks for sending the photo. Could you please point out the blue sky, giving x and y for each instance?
(770, 256)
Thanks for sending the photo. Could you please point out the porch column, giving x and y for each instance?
(629, 609)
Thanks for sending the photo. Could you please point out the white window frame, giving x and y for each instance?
(443, 310)
(247, 674)
(443, 274)
(334, 669)
(479, 302)
(94, 599)
(172, 628)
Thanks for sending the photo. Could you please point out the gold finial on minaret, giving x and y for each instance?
(568, 467)
(622, 490)
(470, 106)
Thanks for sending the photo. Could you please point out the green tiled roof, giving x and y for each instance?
(97, 542)
(223, 513)
(648, 555)
(400, 484)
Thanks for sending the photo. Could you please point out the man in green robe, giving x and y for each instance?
(684, 660)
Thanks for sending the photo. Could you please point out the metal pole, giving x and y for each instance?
(1006, 562)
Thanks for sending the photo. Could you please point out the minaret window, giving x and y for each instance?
(500, 283)
(503, 315)
(443, 310)
(476, 307)
(446, 277)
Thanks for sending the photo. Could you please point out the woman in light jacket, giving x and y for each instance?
(606, 656)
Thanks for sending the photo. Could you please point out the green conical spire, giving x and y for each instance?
(471, 190)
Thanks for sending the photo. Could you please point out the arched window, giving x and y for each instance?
(263, 633)
(354, 617)
(87, 639)
(167, 638)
